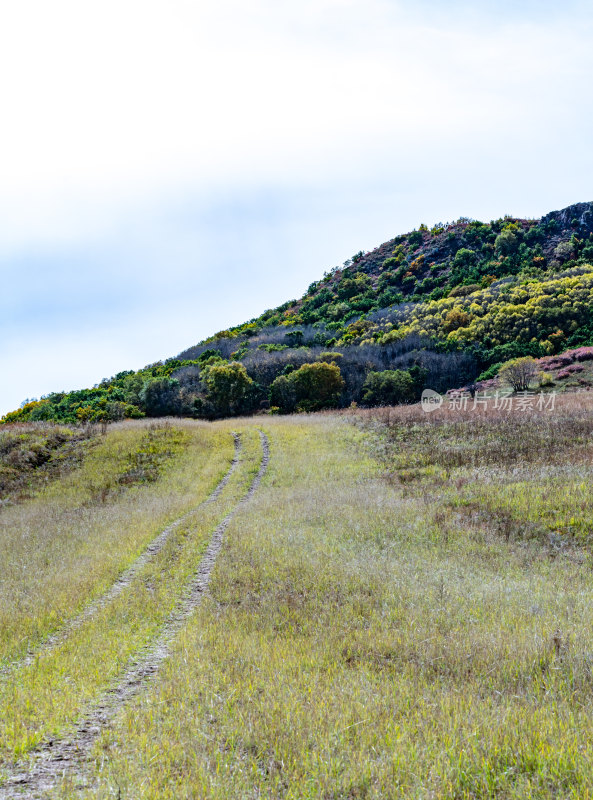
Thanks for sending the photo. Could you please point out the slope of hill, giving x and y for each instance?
(399, 608)
(432, 307)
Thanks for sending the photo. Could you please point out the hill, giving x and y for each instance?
(435, 307)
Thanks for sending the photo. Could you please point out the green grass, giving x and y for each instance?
(33, 455)
(42, 698)
(68, 544)
(401, 611)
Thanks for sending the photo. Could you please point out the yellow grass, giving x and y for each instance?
(41, 698)
(361, 640)
(401, 611)
(68, 544)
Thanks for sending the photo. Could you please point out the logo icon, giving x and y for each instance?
(431, 400)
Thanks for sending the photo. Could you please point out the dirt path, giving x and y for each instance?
(68, 756)
(124, 579)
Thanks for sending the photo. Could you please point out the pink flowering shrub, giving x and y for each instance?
(559, 361)
(565, 361)
(583, 354)
(566, 373)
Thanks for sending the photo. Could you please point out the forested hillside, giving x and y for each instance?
(436, 307)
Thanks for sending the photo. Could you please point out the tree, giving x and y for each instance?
(506, 243)
(388, 388)
(309, 388)
(464, 258)
(518, 373)
(456, 318)
(295, 338)
(563, 251)
(283, 394)
(161, 397)
(230, 389)
(317, 385)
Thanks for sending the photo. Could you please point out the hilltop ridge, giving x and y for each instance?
(435, 307)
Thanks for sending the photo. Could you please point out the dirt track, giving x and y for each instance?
(124, 579)
(68, 756)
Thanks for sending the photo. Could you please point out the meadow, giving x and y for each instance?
(401, 610)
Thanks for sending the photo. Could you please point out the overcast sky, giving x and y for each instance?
(172, 167)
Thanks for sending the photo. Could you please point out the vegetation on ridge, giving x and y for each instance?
(449, 302)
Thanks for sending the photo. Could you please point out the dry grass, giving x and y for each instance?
(402, 610)
(34, 454)
(68, 544)
(42, 698)
(364, 639)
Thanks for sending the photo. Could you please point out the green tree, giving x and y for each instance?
(518, 373)
(388, 388)
(283, 394)
(464, 258)
(230, 389)
(506, 243)
(161, 397)
(295, 338)
(309, 388)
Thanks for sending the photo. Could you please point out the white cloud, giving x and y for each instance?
(106, 105)
(231, 152)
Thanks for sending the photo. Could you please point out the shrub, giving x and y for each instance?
(283, 394)
(490, 373)
(230, 390)
(415, 238)
(464, 258)
(454, 319)
(161, 397)
(463, 291)
(570, 370)
(518, 373)
(563, 251)
(506, 243)
(310, 388)
(545, 379)
(295, 338)
(583, 353)
(209, 356)
(330, 356)
(388, 388)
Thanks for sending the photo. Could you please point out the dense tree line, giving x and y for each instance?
(292, 379)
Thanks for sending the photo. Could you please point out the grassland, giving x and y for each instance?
(34, 455)
(402, 610)
(69, 543)
(44, 694)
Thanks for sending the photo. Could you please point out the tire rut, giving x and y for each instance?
(67, 757)
(124, 580)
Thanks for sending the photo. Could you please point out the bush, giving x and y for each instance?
(310, 388)
(454, 319)
(506, 243)
(519, 373)
(209, 356)
(388, 388)
(161, 397)
(283, 394)
(545, 379)
(491, 372)
(230, 390)
(563, 251)
(464, 258)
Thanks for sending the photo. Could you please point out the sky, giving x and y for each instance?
(169, 168)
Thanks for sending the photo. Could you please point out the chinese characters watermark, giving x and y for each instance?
(464, 401)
